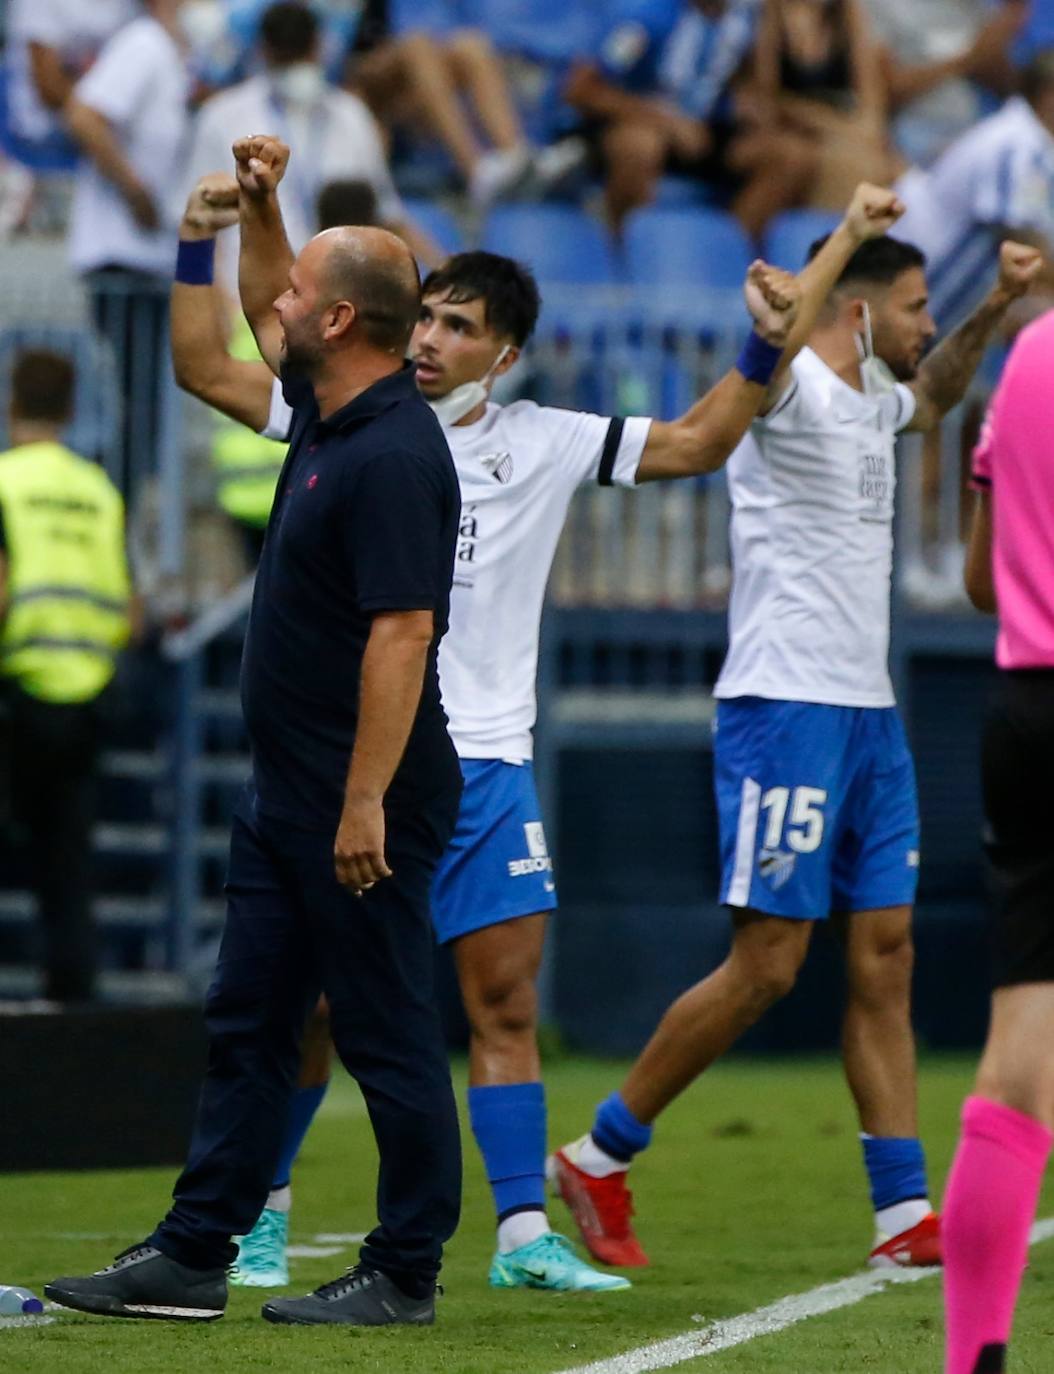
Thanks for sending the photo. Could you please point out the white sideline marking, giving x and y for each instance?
(777, 1316)
(313, 1251)
(340, 1238)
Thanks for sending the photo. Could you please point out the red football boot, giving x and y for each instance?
(602, 1207)
(913, 1249)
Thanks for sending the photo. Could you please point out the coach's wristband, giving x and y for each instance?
(758, 360)
(194, 261)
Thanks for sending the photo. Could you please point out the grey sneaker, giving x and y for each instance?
(361, 1297)
(142, 1282)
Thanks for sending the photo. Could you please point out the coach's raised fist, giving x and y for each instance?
(260, 161)
(872, 212)
(211, 206)
(1019, 266)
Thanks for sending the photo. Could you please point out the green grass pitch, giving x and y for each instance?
(754, 1190)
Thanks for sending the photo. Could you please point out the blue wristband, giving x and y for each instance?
(758, 360)
(194, 261)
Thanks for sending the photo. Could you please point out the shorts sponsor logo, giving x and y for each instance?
(534, 833)
(913, 858)
(538, 860)
(775, 866)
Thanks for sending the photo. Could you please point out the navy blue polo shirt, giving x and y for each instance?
(364, 520)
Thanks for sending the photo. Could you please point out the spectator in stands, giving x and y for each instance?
(343, 25)
(818, 70)
(661, 96)
(332, 130)
(65, 595)
(997, 179)
(435, 74)
(50, 45)
(937, 56)
(129, 115)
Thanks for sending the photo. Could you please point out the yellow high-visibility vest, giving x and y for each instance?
(68, 587)
(247, 465)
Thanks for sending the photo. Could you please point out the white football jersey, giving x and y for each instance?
(518, 468)
(812, 544)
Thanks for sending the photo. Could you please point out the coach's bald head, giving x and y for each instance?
(374, 271)
(354, 293)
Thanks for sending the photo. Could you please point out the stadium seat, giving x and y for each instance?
(562, 244)
(790, 235)
(704, 247)
(437, 222)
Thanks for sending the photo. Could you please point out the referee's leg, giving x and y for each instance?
(265, 983)
(378, 975)
(1007, 1131)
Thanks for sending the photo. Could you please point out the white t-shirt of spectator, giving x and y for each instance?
(333, 138)
(76, 29)
(920, 32)
(518, 468)
(998, 176)
(140, 85)
(812, 544)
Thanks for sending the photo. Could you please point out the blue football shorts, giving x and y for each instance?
(497, 865)
(817, 808)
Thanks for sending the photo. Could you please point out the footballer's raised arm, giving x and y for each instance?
(238, 389)
(784, 310)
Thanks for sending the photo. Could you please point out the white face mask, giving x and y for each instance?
(456, 404)
(876, 377)
(203, 24)
(302, 84)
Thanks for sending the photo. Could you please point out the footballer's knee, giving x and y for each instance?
(766, 957)
(881, 965)
(503, 1006)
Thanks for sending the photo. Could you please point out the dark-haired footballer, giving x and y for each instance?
(518, 467)
(814, 780)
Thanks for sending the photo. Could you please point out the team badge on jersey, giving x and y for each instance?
(499, 465)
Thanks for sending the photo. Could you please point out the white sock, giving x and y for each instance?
(902, 1216)
(592, 1160)
(279, 1199)
(521, 1228)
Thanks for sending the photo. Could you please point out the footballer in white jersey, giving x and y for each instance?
(518, 467)
(814, 780)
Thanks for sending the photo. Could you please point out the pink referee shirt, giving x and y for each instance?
(1015, 458)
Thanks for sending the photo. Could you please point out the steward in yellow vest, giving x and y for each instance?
(65, 597)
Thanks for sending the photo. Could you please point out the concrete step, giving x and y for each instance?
(17, 907)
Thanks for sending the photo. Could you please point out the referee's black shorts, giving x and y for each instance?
(1017, 765)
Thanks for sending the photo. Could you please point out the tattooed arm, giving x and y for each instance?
(946, 374)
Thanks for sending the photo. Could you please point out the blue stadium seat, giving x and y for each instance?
(704, 247)
(562, 244)
(437, 222)
(790, 235)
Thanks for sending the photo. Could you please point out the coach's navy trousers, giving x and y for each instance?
(291, 931)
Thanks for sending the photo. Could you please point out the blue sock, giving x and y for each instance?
(896, 1167)
(617, 1131)
(509, 1125)
(302, 1109)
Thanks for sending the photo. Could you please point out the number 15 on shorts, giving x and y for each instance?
(794, 815)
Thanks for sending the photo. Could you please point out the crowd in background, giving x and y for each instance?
(110, 111)
(766, 104)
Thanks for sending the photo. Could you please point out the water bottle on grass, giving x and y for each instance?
(18, 1302)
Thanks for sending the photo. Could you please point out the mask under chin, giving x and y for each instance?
(456, 404)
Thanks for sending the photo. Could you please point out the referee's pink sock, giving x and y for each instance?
(989, 1206)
